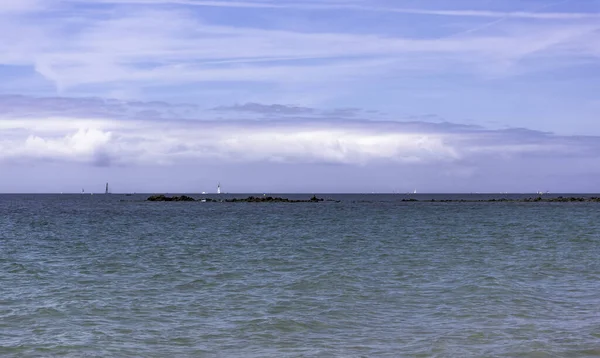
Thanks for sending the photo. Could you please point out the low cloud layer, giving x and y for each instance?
(266, 109)
(288, 153)
(143, 142)
(283, 110)
(28, 134)
(20, 106)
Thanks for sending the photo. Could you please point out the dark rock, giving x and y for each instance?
(270, 199)
(315, 199)
(158, 198)
(250, 199)
(167, 198)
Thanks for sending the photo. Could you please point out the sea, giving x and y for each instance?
(359, 276)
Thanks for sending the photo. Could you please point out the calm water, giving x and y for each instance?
(367, 277)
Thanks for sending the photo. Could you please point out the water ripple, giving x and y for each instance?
(100, 277)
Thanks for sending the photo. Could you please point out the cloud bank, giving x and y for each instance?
(101, 140)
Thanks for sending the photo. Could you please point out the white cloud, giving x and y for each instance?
(162, 142)
(314, 144)
(82, 145)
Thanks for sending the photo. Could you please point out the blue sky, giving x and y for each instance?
(306, 95)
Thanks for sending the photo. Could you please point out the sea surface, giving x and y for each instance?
(369, 276)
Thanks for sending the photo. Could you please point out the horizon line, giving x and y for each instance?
(297, 193)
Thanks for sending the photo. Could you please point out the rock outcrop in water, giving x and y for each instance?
(250, 199)
(270, 199)
(171, 198)
(559, 199)
(315, 199)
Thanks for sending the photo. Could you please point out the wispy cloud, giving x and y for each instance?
(293, 111)
(349, 5)
(41, 107)
(170, 46)
(272, 109)
(12, 7)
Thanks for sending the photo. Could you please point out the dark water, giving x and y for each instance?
(367, 277)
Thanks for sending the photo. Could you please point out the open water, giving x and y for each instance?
(370, 276)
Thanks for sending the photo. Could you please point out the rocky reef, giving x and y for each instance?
(559, 199)
(170, 198)
(250, 199)
(315, 199)
(270, 199)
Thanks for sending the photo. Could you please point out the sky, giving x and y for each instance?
(304, 96)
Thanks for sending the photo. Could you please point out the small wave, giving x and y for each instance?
(192, 285)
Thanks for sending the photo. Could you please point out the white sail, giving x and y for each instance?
(219, 188)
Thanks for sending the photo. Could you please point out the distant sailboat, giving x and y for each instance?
(106, 190)
(219, 188)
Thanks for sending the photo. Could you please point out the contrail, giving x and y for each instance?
(504, 18)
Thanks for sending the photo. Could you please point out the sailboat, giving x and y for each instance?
(106, 190)
(219, 188)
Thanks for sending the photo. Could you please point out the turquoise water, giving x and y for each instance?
(369, 276)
